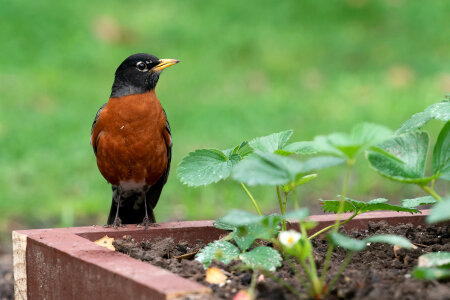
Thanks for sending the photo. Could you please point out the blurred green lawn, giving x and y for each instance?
(247, 69)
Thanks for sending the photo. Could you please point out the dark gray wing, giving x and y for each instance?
(93, 124)
(154, 192)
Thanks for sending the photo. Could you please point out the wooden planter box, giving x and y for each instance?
(64, 263)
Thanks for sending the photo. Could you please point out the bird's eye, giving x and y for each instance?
(141, 66)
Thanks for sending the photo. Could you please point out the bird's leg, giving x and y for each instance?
(117, 221)
(146, 220)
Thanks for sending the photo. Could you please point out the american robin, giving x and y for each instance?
(132, 141)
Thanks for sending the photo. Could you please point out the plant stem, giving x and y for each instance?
(280, 202)
(326, 263)
(347, 259)
(431, 191)
(296, 205)
(285, 202)
(316, 285)
(331, 226)
(312, 262)
(283, 283)
(251, 198)
(251, 290)
(297, 273)
(227, 237)
(350, 164)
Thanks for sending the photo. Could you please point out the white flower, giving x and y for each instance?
(289, 238)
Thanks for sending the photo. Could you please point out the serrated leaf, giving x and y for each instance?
(362, 136)
(440, 111)
(299, 214)
(411, 203)
(440, 212)
(265, 229)
(305, 147)
(346, 242)
(205, 166)
(267, 169)
(272, 169)
(376, 204)
(368, 134)
(321, 162)
(224, 226)
(333, 206)
(435, 259)
(262, 258)
(218, 250)
(244, 149)
(272, 142)
(441, 153)
(431, 273)
(390, 239)
(411, 150)
(351, 205)
(298, 182)
(236, 217)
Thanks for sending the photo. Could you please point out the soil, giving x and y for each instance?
(375, 273)
(6, 277)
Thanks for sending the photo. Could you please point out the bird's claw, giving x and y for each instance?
(146, 222)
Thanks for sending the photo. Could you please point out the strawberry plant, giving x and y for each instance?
(269, 160)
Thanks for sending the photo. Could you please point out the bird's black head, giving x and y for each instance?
(138, 74)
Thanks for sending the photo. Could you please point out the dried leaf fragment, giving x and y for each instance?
(106, 242)
(215, 276)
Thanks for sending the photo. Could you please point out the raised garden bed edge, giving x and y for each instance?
(64, 263)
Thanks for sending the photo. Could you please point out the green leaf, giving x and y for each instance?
(272, 169)
(237, 218)
(378, 204)
(362, 137)
(431, 273)
(346, 242)
(262, 258)
(224, 226)
(351, 205)
(300, 181)
(267, 228)
(390, 239)
(272, 142)
(333, 206)
(218, 250)
(435, 259)
(368, 134)
(244, 149)
(411, 203)
(299, 214)
(439, 111)
(241, 150)
(441, 153)
(321, 162)
(440, 212)
(205, 166)
(410, 149)
(244, 236)
(267, 169)
(306, 147)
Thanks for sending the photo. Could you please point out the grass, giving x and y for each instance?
(246, 70)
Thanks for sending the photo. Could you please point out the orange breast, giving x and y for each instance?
(130, 139)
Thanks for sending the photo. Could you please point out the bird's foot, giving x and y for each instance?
(146, 222)
(117, 223)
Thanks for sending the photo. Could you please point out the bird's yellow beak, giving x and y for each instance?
(164, 63)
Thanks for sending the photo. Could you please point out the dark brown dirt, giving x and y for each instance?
(376, 273)
(6, 277)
